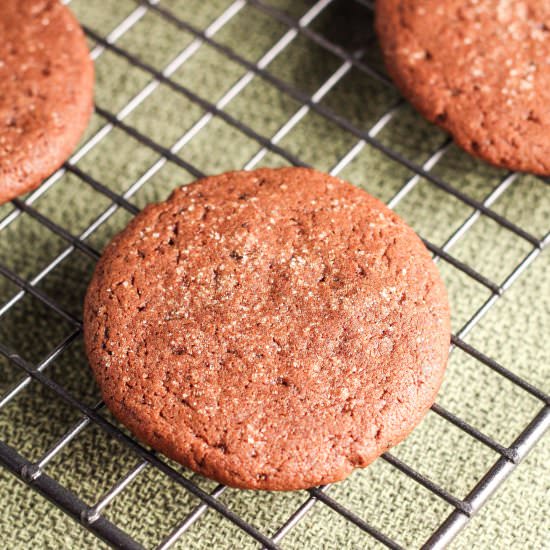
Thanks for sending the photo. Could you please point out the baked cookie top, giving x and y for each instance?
(479, 69)
(46, 91)
(271, 329)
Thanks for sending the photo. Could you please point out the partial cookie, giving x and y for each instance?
(272, 329)
(479, 69)
(46, 91)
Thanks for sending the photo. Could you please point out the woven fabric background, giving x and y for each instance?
(515, 332)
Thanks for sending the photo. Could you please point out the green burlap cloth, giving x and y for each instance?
(515, 331)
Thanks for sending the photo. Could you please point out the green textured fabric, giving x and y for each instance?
(514, 331)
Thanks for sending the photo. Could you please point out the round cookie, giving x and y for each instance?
(480, 70)
(271, 329)
(46, 91)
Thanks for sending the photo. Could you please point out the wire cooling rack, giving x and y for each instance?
(352, 51)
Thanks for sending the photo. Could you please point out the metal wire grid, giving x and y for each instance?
(91, 516)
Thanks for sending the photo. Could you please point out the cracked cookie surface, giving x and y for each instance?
(46, 91)
(271, 329)
(480, 70)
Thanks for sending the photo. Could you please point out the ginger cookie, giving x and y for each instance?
(272, 329)
(46, 91)
(478, 69)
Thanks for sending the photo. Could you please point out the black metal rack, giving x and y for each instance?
(35, 473)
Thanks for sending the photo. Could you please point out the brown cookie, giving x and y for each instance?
(479, 69)
(46, 91)
(271, 329)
